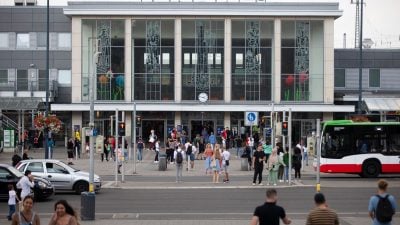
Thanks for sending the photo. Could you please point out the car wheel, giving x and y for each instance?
(371, 168)
(81, 186)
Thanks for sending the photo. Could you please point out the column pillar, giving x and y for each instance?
(227, 60)
(227, 119)
(276, 72)
(178, 60)
(76, 120)
(178, 118)
(128, 61)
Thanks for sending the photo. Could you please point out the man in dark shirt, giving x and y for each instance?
(258, 165)
(269, 213)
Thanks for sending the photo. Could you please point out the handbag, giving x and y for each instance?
(227, 162)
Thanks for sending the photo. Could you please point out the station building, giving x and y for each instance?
(194, 64)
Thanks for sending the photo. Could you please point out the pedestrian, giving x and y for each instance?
(70, 151)
(225, 164)
(157, 149)
(212, 140)
(285, 159)
(152, 139)
(247, 154)
(238, 144)
(258, 165)
(179, 155)
(305, 154)
(12, 201)
(140, 147)
(15, 159)
(106, 150)
(26, 216)
(208, 154)
(64, 214)
(50, 147)
(273, 164)
(25, 184)
(321, 214)
(297, 163)
(382, 206)
(215, 165)
(270, 212)
(120, 157)
(77, 147)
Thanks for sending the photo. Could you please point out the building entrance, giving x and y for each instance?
(197, 127)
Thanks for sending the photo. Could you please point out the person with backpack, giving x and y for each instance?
(382, 206)
(179, 155)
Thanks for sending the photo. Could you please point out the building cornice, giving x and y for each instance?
(248, 9)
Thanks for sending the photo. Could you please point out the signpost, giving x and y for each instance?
(251, 119)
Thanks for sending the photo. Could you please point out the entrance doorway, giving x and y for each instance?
(157, 126)
(197, 127)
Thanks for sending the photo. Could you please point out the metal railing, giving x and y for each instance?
(8, 123)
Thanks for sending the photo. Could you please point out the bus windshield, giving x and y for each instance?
(340, 140)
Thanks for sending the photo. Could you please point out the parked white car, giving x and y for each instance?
(61, 175)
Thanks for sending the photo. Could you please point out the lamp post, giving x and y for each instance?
(91, 122)
(360, 62)
(46, 134)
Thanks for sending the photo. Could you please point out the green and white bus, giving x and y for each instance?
(364, 148)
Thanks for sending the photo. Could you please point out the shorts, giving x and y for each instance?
(191, 157)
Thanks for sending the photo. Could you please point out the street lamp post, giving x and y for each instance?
(46, 130)
(91, 122)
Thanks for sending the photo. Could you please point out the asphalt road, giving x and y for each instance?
(205, 204)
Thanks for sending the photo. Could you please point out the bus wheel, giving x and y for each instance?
(371, 168)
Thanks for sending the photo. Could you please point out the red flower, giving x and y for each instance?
(51, 122)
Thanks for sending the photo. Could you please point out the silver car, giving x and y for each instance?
(61, 175)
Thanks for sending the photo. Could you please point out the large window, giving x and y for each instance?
(64, 40)
(108, 37)
(251, 60)
(23, 40)
(153, 59)
(340, 78)
(4, 40)
(202, 59)
(374, 78)
(3, 76)
(64, 77)
(302, 61)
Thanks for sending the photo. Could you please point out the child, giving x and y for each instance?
(12, 197)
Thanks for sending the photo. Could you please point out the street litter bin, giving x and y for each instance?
(244, 164)
(88, 200)
(162, 161)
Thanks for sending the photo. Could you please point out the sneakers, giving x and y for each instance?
(261, 184)
(254, 184)
(275, 184)
(155, 162)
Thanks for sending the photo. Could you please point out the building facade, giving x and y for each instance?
(158, 57)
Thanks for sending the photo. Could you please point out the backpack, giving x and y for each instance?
(384, 210)
(179, 157)
(189, 150)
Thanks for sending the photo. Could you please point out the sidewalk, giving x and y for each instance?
(147, 176)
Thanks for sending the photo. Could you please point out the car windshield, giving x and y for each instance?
(15, 171)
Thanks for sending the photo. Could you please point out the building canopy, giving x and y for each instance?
(19, 103)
